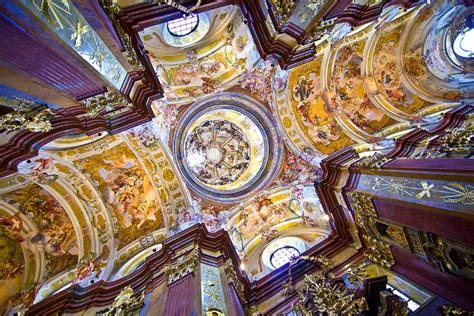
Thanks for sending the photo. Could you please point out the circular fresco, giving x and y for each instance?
(226, 147)
(217, 152)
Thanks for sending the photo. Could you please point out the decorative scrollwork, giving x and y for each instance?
(357, 274)
(126, 303)
(324, 293)
(363, 207)
(376, 161)
(229, 271)
(449, 256)
(184, 266)
(25, 115)
(455, 143)
(379, 252)
(107, 101)
(283, 9)
(130, 54)
(391, 304)
(451, 310)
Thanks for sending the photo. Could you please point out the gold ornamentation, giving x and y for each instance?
(451, 310)
(376, 161)
(358, 274)
(25, 115)
(452, 192)
(449, 256)
(459, 193)
(311, 9)
(112, 9)
(53, 11)
(455, 143)
(126, 304)
(397, 234)
(283, 9)
(324, 293)
(391, 304)
(231, 276)
(107, 101)
(183, 267)
(180, 7)
(363, 207)
(379, 252)
(79, 30)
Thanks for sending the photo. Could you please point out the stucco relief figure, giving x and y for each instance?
(259, 81)
(186, 74)
(213, 217)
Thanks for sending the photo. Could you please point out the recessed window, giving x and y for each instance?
(463, 44)
(283, 255)
(412, 305)
(183, 26)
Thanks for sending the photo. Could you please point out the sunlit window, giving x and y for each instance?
(463, 44)
(412, 305)
(183, 26)
(283, 255)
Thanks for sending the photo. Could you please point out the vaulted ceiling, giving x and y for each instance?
(226, 126)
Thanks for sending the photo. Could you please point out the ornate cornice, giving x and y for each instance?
(182, 267)
(74, 120)
(150, 275)
(25, 115)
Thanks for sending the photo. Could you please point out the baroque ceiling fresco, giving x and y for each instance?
(235, 143)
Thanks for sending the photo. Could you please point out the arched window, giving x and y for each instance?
(283, 255)
(183, 26)
(463, 44)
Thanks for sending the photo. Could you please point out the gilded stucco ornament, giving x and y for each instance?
(231, 276)
(455, 143)
(107, 101)
(283, 9)
(376, 161)
(378, 251)
(390, 304)
(451, 310)
(184, 266)
(129, 53)
(179, 6)
(126, 303)
(324, 293)
(312, 8)
(25, 115)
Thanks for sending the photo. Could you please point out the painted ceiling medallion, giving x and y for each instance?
(217, 152)
(227, 147)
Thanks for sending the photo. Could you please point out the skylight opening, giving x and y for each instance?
(463, 44)
(183, 26)
(283, 255)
